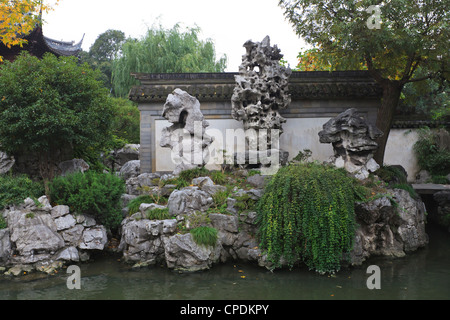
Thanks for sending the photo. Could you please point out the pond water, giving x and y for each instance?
(422, 275)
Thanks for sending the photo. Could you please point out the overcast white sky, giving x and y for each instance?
(229, 23)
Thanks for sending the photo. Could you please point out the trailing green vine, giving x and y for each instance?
(307, 214)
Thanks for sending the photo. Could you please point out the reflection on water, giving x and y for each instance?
(424, 274)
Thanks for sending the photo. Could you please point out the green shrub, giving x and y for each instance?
(3, 223)
(204, 236)
(218, 177)
(439, 179)
(244, 203)
(407, 187)
(188, 175)
(219, 202)
(158, 214)
(252, 172)
(391, 174)
(133, 205)
(126, 121)
(307, 214)
(198, 219)
(15, 189)
(92, 193)
(430, 156)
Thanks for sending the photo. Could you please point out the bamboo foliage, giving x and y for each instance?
(164, 51)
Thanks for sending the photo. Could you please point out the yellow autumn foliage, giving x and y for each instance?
(18, 18)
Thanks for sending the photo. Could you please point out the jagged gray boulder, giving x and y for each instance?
(353, 139)
(117, 158)
(141, 240)
(33, 232)
(261, 91)
(188, 125)
(183, 254)
(71, 166)
(386, 229)
(39, 235)
(130, 169)
(6, 162)
(93, 238)
(187, 200)
(5, 246)
(261, 87)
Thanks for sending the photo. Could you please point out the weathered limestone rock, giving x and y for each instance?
(261, 91)
(32, 232)
(59, 211)
(257, 180)
(150, 206)
(93, 238)
(130, 169)
(137, 185)
(423, 176)
(141, 242)
(187, 200)
(68, 254)
(188, 125)
(73, 235)
(387, 230)
(74, 165)
(183, 254)
(5, 245)
(6, 162)
(65, 222)
(353, 140)
(261, 87)
(41, 237)
(207, 185)
(117, 158)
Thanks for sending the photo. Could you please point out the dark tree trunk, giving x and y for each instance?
(385, 115)
(47, 169)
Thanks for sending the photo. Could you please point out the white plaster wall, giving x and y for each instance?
(303, 133)
(399, 150)
(300, 134)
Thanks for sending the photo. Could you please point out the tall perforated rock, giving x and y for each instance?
(261, 87)
(186, 136)
(261, 91)
(353, 139)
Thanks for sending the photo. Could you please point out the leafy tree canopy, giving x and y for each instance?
(164, 51)
(107, 46)
(51, 104)
(105, 49)
(391, 39)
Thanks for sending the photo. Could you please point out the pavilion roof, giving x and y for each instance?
(38, 44)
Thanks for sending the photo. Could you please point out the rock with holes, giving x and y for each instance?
(353, 139)
(186, 136)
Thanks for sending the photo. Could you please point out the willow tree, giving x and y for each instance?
(391, 39)
(164, 51)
